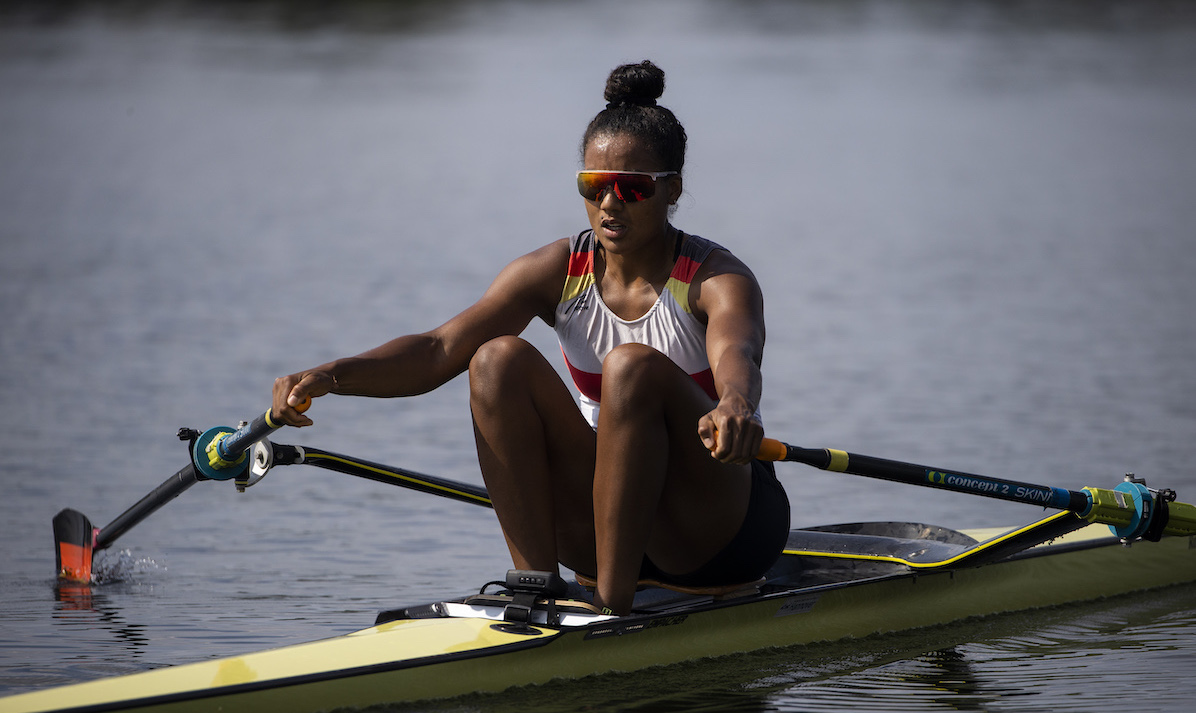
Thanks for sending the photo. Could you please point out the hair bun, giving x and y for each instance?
(637, 84)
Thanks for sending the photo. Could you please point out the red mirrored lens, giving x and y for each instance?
(627, 187)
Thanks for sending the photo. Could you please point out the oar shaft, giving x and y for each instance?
(1131, 510)
(159, 496)
(389, 474)
(913, 474)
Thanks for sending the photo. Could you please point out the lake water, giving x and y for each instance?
(973, 222)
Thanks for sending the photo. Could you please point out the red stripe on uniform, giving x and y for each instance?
(581, 263)
(685, 269)
(705, 379)
(590, 385)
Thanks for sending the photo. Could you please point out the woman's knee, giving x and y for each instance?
(497, 356)
(636, 364)
(496, 362)
(633, 374)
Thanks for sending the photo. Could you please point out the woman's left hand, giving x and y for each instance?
(731, 432)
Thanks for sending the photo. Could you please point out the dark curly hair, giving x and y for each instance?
(631, 94)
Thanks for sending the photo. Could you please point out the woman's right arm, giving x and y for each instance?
(417, 363)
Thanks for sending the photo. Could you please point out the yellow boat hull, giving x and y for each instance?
(415, 659)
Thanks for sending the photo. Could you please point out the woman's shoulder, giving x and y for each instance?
(721, 274)
(540, 272)
(714, 259)
(546, 255)
(578, 242)
(554, 259)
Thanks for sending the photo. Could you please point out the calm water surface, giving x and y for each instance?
(972, 221)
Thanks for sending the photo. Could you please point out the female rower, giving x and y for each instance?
(663, 333)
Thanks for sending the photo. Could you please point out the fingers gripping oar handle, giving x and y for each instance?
(219, 453)
(1131, 510)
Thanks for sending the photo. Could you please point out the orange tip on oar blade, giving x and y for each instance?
(73, 538)
(74, 562)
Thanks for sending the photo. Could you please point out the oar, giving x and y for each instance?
(454, 490)
(217, 454)
(1131, 510)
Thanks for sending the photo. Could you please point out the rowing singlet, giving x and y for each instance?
(588, 330)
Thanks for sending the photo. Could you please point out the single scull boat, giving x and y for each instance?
(831, 583)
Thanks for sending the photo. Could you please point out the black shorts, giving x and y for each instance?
(756, 547)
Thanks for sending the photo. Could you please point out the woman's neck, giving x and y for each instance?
(652, 265)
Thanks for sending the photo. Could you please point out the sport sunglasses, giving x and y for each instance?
(629, 186)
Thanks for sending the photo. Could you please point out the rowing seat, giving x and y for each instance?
(719, 592)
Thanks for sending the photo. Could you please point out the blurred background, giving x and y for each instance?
(972, 221)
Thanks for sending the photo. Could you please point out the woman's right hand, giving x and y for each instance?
(290, 391)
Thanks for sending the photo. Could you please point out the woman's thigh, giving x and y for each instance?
(650, 411)
(535, 448)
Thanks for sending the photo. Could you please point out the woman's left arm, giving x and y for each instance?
(731, 301)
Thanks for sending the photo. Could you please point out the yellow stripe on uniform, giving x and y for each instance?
(575, 285)
(680, 292)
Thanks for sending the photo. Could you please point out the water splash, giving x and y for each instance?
(110, 567)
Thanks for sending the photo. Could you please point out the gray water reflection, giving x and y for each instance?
(972, 221)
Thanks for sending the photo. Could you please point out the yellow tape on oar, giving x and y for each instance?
(839, 460)
(213, 452)
(773, 450)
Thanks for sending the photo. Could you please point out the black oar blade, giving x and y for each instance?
(73, 535)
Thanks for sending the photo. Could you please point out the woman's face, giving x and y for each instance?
(624, 227)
